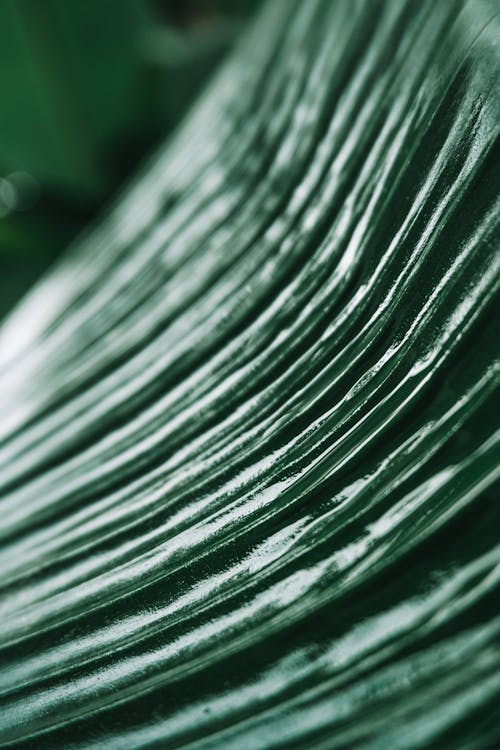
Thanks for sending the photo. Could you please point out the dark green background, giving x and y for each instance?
(88, 88)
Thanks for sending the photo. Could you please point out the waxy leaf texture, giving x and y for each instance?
(249, 425)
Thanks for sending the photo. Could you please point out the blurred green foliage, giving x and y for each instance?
(88, 88)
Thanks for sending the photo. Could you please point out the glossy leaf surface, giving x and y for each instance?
(249, 425)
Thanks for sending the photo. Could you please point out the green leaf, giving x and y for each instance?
(249, 424)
